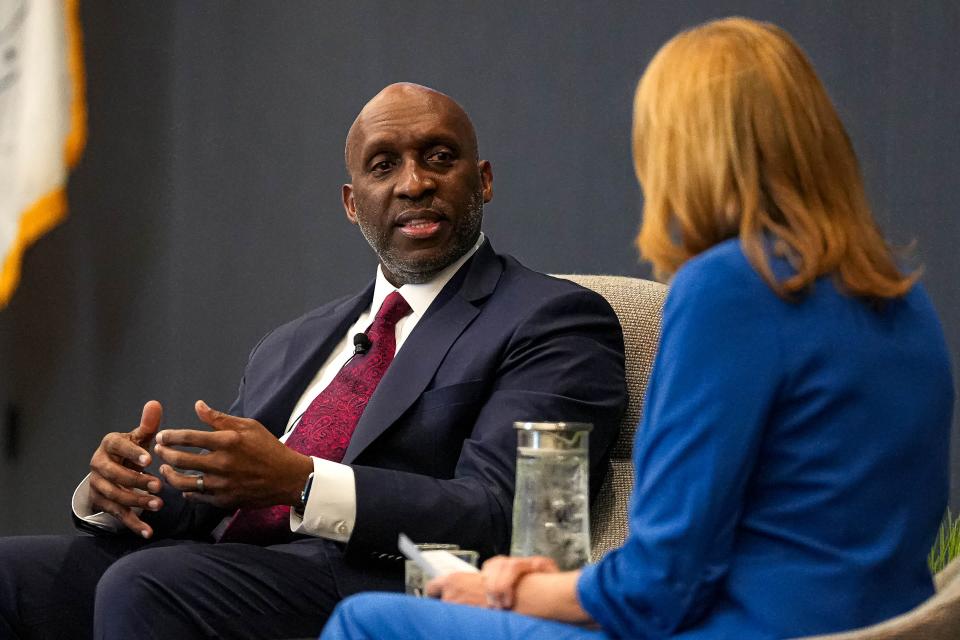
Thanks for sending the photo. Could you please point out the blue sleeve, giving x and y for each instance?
(713, 382)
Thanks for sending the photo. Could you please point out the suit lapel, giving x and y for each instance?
(311, 345)
(424, 349)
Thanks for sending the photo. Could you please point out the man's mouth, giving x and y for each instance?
(420, 224)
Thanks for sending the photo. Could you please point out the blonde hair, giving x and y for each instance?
(734, 136)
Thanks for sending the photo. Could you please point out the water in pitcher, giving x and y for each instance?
(550, 511)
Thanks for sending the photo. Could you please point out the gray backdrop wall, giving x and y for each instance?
(206, 209)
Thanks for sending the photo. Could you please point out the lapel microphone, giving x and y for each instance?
(361, 344)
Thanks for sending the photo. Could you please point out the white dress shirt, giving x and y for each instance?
(331, 509)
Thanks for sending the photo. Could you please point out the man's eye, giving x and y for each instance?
(382, 166)
(443, 157)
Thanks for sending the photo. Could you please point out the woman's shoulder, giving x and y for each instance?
(725, 259)
(721, 272)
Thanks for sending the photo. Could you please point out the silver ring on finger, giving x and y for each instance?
(199, 483)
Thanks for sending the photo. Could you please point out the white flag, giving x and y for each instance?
(42, 123)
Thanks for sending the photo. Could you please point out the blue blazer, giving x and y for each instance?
(434, 452)
(791, 465)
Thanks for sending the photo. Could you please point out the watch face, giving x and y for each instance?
(306, 491)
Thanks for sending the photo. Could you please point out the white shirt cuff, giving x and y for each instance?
(84, 510)
(331, 509)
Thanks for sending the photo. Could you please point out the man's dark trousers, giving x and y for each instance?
(167, 589)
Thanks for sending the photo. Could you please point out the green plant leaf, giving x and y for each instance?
(947, 545)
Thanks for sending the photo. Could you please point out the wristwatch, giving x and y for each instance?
(304, 495)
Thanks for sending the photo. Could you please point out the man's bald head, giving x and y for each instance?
(398, 99)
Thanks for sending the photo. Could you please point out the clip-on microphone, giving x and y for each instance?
(361, 344)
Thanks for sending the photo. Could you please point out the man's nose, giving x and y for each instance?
(413, 181)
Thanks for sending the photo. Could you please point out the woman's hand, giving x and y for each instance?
(494, 587)
(460, 588)
(501, 575)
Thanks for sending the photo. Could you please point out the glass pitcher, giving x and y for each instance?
(551, 511)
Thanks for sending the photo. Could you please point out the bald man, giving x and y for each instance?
(386, 411)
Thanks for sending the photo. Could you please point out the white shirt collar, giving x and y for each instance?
(419, 296)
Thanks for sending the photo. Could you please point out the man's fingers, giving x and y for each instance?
(210, 440)
(189, 485)
(133, 522)
(188, 482)
(124, 514)
(149, 422)
(121, 446)
(217, 420)
(183, 459)
(126, 478)
(103, 489)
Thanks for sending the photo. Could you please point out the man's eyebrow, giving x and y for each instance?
(374, 147)
(386, 144)
(442, 140)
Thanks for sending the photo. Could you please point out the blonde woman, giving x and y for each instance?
(792, 460)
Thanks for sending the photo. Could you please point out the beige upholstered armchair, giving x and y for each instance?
(638, 304)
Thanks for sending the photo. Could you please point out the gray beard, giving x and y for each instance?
(409, 272)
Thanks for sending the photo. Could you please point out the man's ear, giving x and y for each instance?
(349, 205)
(486, 180)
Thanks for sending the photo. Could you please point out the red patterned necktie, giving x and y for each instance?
(325, 429)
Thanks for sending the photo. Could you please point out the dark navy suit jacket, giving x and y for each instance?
(434, 452)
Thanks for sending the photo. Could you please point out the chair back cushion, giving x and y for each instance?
(638, 304)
